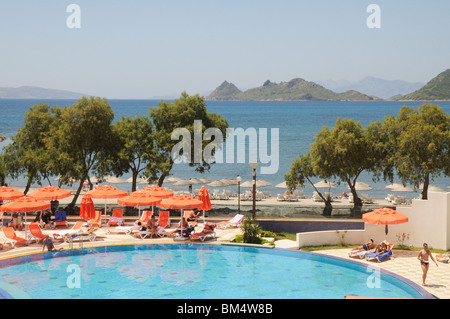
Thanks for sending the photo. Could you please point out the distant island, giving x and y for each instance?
(295, 90)
(438, 89)
(32, 92)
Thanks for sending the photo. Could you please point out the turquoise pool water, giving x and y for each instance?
(198, 271)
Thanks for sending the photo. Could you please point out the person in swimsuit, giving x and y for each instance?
(424, 262)
(367, 246)
(49, 244)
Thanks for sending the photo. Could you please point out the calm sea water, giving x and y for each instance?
(298, 122)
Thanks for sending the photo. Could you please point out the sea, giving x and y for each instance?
(290, 125)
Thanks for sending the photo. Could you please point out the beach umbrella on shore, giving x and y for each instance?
(393, 185)
(259, 183)
(385, 216)
(217, 183)
(324, 184)
(114, 180)
(204, 180)
(139, 199)
(106, 192)
(9, 193)
(171, 179)
(432, 188)
(87, 208)
(361, 186)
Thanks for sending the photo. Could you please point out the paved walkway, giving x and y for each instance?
(405, 264)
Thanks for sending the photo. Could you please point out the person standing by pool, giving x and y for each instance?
(424, 262)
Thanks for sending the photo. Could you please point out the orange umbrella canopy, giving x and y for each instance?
(8, 193)
(203, 195)
(138, 199)
(87, 208)
(385, 216)
(106, 191)
(181, 202)
(50, 193)
(157, 191)
(25, 204)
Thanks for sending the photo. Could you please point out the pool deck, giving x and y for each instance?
(404, 263)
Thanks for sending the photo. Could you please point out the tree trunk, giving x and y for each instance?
(75, 197)
(134, 182)
(27, 188)
(425, 187)
(161, 179)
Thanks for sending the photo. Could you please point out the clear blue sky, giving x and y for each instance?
(142, 49)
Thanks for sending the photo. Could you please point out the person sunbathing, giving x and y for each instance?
(367, 246)
(382, 248)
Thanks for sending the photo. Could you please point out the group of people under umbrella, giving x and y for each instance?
(148, 196)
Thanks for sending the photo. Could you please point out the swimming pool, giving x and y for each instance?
(199, 271)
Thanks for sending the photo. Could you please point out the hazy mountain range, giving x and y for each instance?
(369, 88)
(384, 89)
(32, 92)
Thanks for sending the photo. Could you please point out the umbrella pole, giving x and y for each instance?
(386, 229)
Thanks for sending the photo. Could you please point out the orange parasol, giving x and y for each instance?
(385, 216)
(87, 208)
(105, 192)
(181, 202)
(203, 195)
(139, 199)
(24, 205)
(157, 191)
(50, 193)
(9, 193)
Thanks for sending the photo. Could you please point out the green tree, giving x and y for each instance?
(419, 144)
(301, 171)
(28, 154)
(137, 151)
(182, 113)
(343, 152)
(83, 141)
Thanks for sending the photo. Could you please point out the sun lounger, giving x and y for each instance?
(443, 258)
(164, 218)
(280, 197)
(35, 233)
(11, 238)
(208, 231)
(119, 229)
(117, 217)
(142, 234)
(146, 214)
(75, 229)
(90, 234)
(96, 220)
(60, 219)
(360, 253)
(232, 223)
(381, 257)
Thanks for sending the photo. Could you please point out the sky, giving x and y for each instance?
(144, 49)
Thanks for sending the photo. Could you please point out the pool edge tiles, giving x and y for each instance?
(409, 288)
